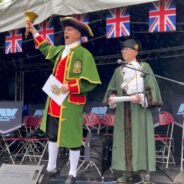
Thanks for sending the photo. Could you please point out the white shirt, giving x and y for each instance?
(132, 79)
(67, 47)
(133, 82)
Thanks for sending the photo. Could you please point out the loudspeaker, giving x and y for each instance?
(98, 148)
(20, 174)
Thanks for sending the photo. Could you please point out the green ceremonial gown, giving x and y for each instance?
(138, 158)
(80, 67)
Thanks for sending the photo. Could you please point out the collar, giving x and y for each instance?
(135, 63)
(72, 45)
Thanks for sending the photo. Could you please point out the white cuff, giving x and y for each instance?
(36, 35)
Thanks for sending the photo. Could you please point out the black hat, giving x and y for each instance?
(130, 43)
(83, 28)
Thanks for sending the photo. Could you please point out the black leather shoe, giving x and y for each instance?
(53, 172)
(70, 180)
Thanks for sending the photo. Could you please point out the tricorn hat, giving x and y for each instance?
(84, 29)
(131, 43)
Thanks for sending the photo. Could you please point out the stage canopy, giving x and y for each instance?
(12, 11)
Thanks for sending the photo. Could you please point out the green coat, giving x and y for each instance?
(137, 120)
(71, 116)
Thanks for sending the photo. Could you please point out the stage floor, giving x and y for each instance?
(172, 175)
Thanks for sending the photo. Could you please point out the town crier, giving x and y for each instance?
(75, 68)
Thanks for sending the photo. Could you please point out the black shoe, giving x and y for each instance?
(53, 172)
(70, 180)
(137, 178)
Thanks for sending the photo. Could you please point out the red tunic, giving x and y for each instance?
(59, 73)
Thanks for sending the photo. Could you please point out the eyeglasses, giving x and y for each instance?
(125, 49)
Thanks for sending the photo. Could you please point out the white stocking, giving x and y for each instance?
(53, 153)
(74, 159)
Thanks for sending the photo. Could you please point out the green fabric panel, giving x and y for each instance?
(86, 86)
(51, 52)
(151, 82)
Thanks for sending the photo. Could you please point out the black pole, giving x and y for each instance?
(147, 177)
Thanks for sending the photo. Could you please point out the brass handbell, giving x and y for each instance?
(30, 17)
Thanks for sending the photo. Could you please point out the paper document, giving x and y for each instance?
(57, 96)
(121, 98)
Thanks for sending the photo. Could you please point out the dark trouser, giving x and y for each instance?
(52, 129)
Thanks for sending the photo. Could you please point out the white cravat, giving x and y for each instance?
(68, 48)
(129, 73)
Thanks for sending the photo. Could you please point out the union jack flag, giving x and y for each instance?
(83, 18)
(162, 16)
(46, 29)
(13, 42)
(117, 23)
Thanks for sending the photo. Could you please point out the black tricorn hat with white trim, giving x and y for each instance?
(84, 29)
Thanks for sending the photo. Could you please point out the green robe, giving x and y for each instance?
(71, 116)
(137, 124)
